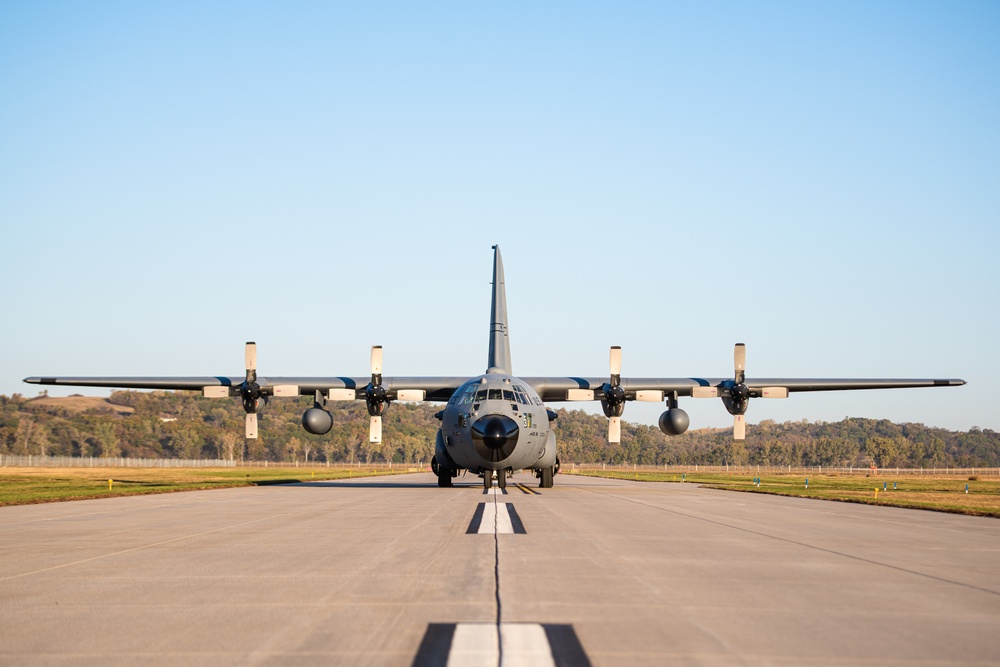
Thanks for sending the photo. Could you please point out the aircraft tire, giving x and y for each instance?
(545, 478)
(502, 479)
(487, 480)
(444, 478)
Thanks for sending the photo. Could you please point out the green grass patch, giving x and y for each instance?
(941, 493)
(20, 486)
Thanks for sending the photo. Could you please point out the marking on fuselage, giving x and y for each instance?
(496, 519)
(460, 644)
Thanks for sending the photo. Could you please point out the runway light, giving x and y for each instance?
(807, 482)
(885, 486)
(966, 488)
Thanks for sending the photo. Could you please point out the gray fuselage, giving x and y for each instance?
(496, 422)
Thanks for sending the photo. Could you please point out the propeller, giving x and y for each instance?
(375, 396)
(735, 393)
(250, 391)
(614, 396)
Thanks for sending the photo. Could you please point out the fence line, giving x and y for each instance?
(32, 461)
(12, 461)
(753, 469)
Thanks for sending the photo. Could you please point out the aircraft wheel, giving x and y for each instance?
(502, 479)
(444, 478)
(487, 480)
(545, 478)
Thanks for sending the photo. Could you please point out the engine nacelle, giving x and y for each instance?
(674, 421)
(317, 421)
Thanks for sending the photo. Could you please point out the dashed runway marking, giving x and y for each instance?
(495, 491)
(495, 518)
(461, 644)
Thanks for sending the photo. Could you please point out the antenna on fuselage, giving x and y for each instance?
(499, 361)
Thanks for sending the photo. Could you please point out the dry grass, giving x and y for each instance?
(19, 486)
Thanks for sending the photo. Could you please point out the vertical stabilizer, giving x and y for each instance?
(499, 361)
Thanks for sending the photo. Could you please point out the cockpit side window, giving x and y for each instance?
(508, 395)
(481, 395)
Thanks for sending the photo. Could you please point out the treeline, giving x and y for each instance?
(186, 425)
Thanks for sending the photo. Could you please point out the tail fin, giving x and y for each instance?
(499, 361)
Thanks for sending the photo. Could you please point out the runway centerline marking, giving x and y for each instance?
(496, 518)
(516, 644)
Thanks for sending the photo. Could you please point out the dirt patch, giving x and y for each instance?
(79, 404)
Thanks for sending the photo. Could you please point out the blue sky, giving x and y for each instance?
(818, 180)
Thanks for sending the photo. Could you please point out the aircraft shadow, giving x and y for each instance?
(375, 485)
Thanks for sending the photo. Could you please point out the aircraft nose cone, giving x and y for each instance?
(495, 436)
(495, 431)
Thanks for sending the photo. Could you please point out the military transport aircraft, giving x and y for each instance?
(494, 423)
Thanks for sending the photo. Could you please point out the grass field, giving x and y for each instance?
(945, 494)
(19, 486)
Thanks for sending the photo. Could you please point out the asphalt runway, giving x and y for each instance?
(396, 571)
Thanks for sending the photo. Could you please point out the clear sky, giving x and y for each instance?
(818, 180)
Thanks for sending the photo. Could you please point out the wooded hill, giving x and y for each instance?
(185, 425)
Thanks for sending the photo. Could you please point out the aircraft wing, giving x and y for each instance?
(554, 389)
(434, 388)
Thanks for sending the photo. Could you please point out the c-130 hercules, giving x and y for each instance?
(494, 423)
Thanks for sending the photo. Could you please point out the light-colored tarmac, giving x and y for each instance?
(394, 571)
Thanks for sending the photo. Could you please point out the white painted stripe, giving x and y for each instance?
(474, 645)
(504, 526)
(496, 519)
(525, 644)
(489, 522)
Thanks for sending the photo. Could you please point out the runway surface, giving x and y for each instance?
(396, 571)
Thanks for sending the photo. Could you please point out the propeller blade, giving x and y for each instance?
(376, 359)
(251, 432)
(251, 356)
(740, 358)
(616, 360)
(375, 430)
(614, 429)
(739, 427)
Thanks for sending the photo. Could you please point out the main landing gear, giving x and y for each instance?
(488, 479)
(545, 477)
